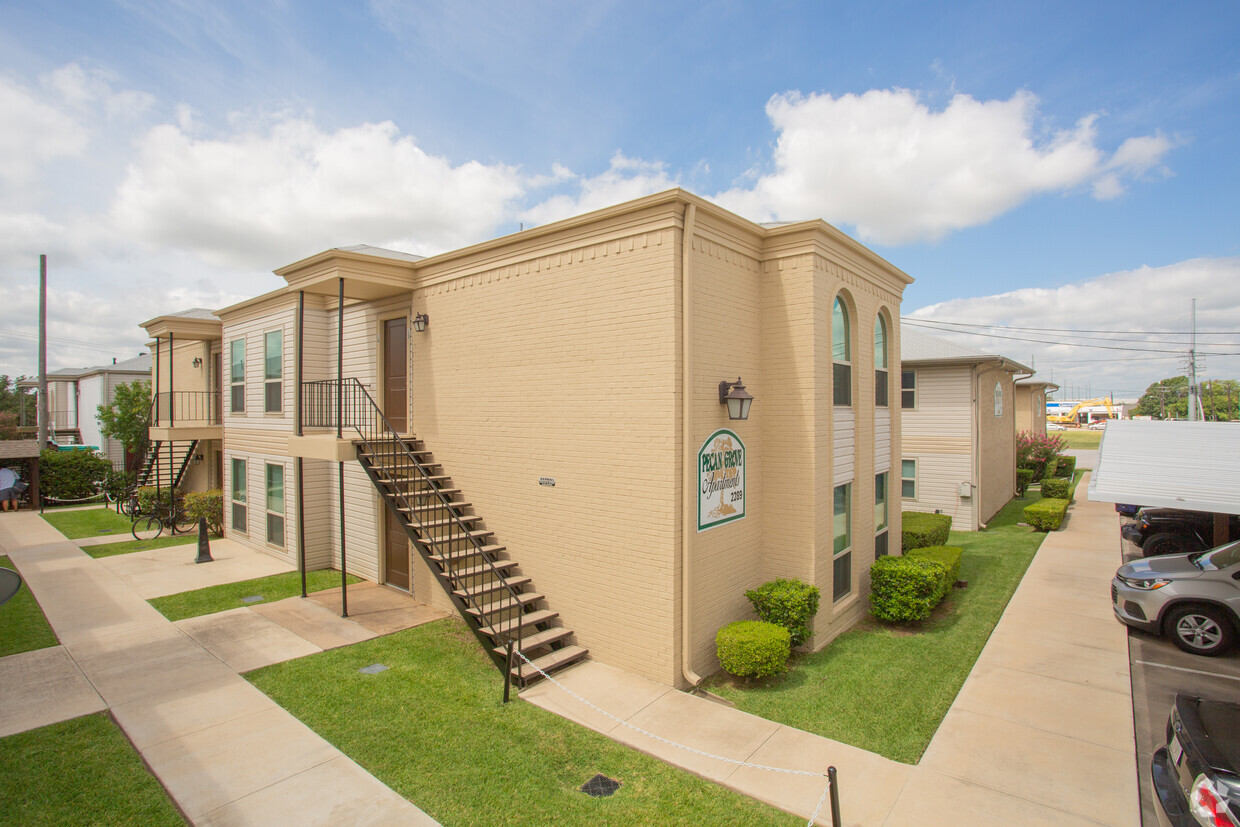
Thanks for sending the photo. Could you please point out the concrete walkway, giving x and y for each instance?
(224, 751)
(1040, 733)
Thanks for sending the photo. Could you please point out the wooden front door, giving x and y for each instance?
(396, 552)
(395, 373)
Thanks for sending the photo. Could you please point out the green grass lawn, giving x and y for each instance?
(82, 771)
(89, 522)
(132, 545)
(23, 628)
(228, 596)
(433, 728)
(886, 688)
(1079, 439)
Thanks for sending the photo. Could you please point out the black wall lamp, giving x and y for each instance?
(419, 322)
(197, 361)
(738, 400)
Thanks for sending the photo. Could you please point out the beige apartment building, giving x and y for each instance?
(535, 430)
(959, 421)
(1031, 404)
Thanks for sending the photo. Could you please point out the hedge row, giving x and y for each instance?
(905, 589)
(1046, 514)
(949, 556)
(921, 529)
(1066, 467)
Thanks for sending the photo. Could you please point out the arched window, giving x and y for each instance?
(998, 399)
(880, 362)
(841, 353)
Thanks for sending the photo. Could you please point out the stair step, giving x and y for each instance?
(467, 553)
(451, 538)
(493, 586)
(549, 662)
(422, 509)
(387, 452)
(526, 620)
(474, 571)
(529, 643)
(448, 521)
(497, 606)
(425, 493)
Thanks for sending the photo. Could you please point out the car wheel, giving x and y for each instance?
(1166, 543)
(1200, 630)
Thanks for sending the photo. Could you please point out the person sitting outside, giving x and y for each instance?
(9, 494)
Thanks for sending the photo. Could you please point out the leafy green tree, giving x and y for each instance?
(128, 418)
(1165, 399)
(11, 396)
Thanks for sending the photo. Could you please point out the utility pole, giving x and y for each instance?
(43, 407)
(1192, 370)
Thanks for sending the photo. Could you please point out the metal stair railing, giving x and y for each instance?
(396, 471)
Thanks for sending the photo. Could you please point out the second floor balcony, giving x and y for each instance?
(187, 415)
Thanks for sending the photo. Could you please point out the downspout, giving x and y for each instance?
(301, 488)
(689, 464)
(976, 437)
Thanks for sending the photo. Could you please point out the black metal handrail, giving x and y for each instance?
(435, 523)
(187, 408)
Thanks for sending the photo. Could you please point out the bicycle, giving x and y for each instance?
(149, 525)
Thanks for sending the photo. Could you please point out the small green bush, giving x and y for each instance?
(1046, 514)
(753, 648)
(208, 504)
(921, 529)
(788, 603)
(949, 556)
(148, 495)
(71, 475)
(904, 589)
(1049, 471)
(1024, 478)
(1065, 467)
(1058, 489)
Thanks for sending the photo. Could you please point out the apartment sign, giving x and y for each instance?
(721, 479)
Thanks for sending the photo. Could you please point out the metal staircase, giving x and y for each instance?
(162, 465)
(497, 602)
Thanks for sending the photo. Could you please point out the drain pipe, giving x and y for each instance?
(689, 464)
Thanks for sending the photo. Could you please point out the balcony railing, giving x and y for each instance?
(320, 401)
(186, 409)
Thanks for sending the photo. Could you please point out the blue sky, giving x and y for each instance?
(1044, 165)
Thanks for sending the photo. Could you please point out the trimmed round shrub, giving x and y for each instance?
(753, 648)
(1065, 467)
(788, 603)
(949, 556)
(921, 529)
(1046, 514)
(1057, 488)
(904, 589)
(1024, 478)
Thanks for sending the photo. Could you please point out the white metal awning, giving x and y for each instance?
(1193, 465)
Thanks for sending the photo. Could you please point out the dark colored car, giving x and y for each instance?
(1173, 531)
(1197, 774)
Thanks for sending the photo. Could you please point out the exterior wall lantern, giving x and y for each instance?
(197, 361)
(419, 322)
(738, 400)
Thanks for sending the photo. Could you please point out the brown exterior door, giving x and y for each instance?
(395, 373)
(396, 552)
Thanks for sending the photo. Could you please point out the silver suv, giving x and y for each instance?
(1193, 598)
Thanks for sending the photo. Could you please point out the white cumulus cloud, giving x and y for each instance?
(623, 180)
(899, 171)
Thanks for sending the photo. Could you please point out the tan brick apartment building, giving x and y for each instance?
(564, 384)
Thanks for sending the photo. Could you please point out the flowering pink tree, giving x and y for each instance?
(1035, 450)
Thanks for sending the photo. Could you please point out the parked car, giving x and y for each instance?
(1098, 425)
(1127, 509)
(1055, 426)
(1197, 774)
(1173, 530)
(1192, 598)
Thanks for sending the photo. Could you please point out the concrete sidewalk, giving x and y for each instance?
(224, 751)
(1040, 733)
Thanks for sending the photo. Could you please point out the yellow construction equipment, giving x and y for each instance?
(1070, 417)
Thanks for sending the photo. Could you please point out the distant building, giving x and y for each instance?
(1031, 404)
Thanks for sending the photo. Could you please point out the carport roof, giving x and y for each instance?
(1193, 465)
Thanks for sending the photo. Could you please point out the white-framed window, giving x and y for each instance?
(273, 371)
(239, 515)
(275, 504)
(908, 389)
(880, 514)
(908, 479)
(841, 353)
(841, 563)
(880, 361)
(236, 375)
(998, 399)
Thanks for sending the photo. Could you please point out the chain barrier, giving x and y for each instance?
(821, 800)
(78, 500)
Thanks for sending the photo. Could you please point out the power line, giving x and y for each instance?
(1043, 341)
(33, 337)
(1070, 330)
